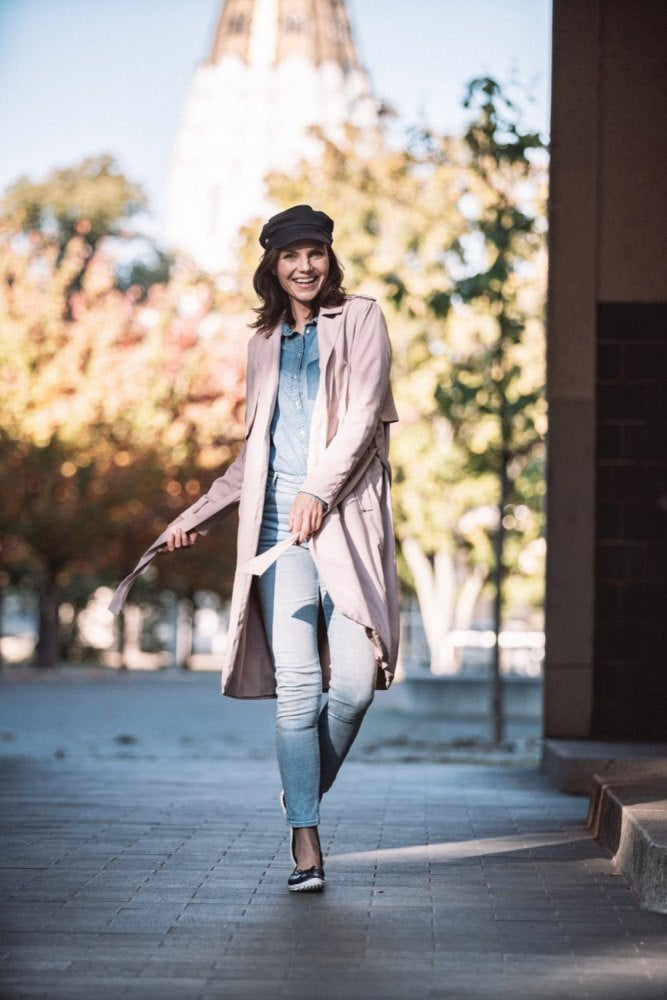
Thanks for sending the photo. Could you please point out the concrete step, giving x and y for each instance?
(571, 765)
(628, 815)
(459, 696)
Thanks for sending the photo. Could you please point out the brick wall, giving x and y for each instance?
(630, 637)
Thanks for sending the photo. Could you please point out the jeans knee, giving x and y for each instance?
(349, 705)
(297, 718)
(296, 724)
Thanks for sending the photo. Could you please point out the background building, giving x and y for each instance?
(275, 68)
(606, 621)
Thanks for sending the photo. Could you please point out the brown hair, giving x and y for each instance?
(275, 300)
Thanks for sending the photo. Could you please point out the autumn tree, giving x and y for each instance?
(118, 405)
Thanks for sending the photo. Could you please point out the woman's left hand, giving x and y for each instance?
(306, 516)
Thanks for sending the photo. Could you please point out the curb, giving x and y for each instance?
(628, 815)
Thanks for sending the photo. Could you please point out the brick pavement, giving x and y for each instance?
(157, 877)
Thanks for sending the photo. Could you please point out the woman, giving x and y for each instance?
(314, 605)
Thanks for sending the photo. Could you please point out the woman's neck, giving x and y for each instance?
(301, 314)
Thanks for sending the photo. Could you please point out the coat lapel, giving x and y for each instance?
(328, 328)
(267, 354)
(266, 364)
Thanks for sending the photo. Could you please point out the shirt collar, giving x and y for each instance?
(288, 330)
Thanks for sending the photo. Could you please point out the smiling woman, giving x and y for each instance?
(295, 267)
(315, 600)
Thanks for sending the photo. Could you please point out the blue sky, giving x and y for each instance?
(83, 77)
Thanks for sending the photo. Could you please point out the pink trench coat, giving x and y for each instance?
(348, 467)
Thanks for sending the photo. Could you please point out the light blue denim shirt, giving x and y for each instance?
(297, 388)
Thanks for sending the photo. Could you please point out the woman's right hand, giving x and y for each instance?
(178, 538)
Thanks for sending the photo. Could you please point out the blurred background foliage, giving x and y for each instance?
(123, 376)
(119, 404)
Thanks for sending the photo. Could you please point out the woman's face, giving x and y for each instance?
(302, 269)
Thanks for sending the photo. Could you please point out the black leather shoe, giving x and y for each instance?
(310, 880)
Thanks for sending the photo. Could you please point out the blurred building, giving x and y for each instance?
(606, 613)
(275, 68)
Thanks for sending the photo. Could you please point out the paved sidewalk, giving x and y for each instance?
(104, 713)
(161, 876)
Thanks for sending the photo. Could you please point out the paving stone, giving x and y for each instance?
(157, 876)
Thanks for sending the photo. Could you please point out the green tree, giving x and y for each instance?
(493, 395)
(95, 202)
(91, 199)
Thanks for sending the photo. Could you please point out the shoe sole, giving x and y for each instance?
(312, 885)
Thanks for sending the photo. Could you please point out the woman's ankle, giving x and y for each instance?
(307, 847)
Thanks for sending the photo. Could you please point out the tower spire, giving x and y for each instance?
(232, 33)
(318, 31)
(241, 121)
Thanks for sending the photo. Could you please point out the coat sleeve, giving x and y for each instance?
(222, 496)
(220, 499)
(370, 362)
(224, 492)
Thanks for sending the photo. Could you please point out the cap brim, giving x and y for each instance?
(320, 237)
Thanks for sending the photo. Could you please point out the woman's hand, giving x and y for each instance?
(306, 516)
(178, 538)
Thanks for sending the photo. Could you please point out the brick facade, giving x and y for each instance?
(630, 634)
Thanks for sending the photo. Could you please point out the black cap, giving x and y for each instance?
(300, 222)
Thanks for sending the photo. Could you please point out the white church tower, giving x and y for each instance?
(275, 68)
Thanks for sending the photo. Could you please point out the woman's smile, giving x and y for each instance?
(302, 269)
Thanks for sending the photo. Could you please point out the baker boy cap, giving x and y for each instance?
(300, 222)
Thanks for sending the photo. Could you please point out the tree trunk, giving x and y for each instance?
(184, 633)
(497, 711)
(2, 623)
(496, 677)
(120, 639)
(132, 621)
(469, 595)
(46, 651)
(432, 595)
(441, 609)
(445, 609)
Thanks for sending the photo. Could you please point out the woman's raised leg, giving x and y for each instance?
(351, 690)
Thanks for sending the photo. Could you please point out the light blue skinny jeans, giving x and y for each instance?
(311, 740)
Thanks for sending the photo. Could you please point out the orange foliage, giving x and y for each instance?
(112, 403)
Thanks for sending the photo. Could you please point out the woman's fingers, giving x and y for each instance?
(180, 539)
(304, 528)
(305, 516)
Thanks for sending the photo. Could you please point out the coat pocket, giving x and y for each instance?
(368, 490)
